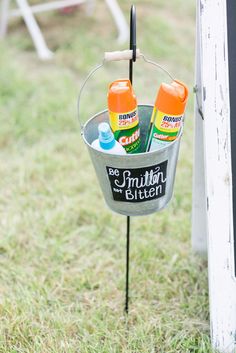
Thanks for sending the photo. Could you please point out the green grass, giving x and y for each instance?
(62, 251)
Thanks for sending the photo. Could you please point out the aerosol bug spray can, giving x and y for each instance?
(123, 114)
(168, 114)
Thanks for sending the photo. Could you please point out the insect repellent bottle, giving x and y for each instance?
(106, 141)
(168, 114)
(124, 121)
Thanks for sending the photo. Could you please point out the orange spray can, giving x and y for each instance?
(168, 114)
(123, 115)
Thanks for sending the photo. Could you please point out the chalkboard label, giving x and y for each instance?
(138, 184)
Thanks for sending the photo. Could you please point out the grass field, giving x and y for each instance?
(62, 251)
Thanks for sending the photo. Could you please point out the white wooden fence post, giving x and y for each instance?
(199, 219)
(217, 134)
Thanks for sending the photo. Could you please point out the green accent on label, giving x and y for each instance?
(165, 134)
(129, 139)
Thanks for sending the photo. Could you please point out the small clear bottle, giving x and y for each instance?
(106, 141)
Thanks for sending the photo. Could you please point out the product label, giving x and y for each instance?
(166, 126)
(125, 127)
(122, 121)
(138, 184)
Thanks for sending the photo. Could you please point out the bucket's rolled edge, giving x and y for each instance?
(139, 214)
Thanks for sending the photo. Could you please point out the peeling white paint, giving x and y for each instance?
(216, 110)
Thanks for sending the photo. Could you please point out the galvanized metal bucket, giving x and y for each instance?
(134, 184)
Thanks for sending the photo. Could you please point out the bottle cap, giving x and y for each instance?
(172, 98)
(121, 97)
(106, 137)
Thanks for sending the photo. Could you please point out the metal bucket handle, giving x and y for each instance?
(116, 56)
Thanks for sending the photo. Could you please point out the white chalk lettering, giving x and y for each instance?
(117, 190)
(128, 195)
(113, 171)
(146, 194)
(152, 192)
(150, 178)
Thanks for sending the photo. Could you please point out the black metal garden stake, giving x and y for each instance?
(133, 48)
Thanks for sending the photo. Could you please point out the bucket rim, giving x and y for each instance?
(129, 155)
